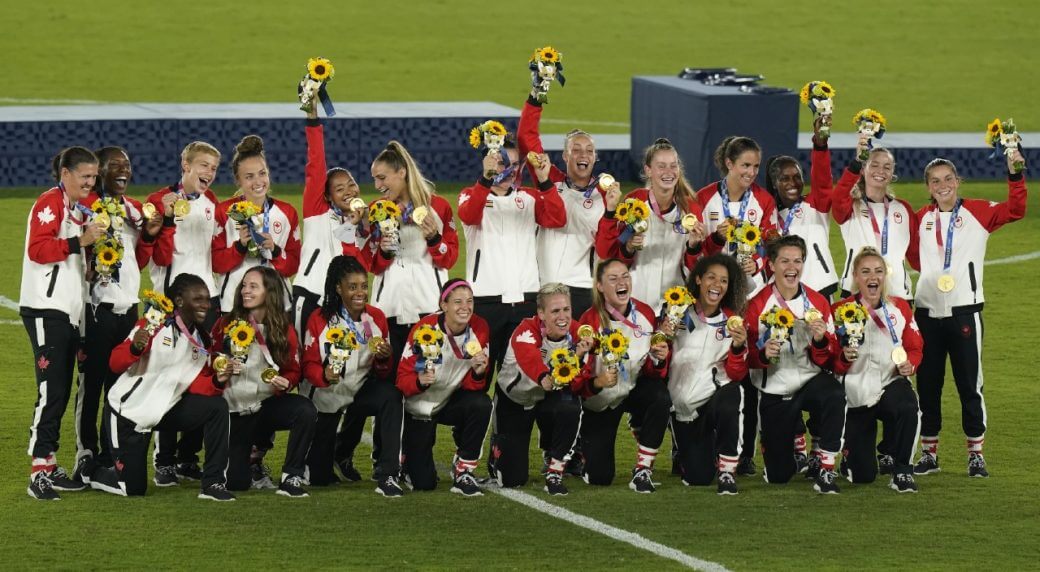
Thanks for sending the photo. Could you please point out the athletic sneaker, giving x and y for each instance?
(746, 466)
(166, 476)
(727, 484)
(976, 466)
(61, 481)
(388, 487)
(903, 483)
(575, 465)
(347, 470)
(466, 485)
(84, 469)
(292, 486)
(107, 480)
(886, 464)
(554, 485)
(927, 464)
(189, 471)
(217, 492)
(642, 480)
(261, 476)
(812, 470)
(826, 482)
(40, 487)
(801, 462)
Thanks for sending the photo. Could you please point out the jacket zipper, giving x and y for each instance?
(311, 263)
(54, 280)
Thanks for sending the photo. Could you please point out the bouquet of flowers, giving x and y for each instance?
(819, 97)
(747, 237)
(636, 216)
(427, 345)
(156, 308)
(242, 212)
(1003, 137)
(342, 343)
(613, 347)
(563, 367)
(319, 72)
(851, 318)
(491, 134)
(238, 335)
(778, 322)
(108, 257)
(109, 213)
(546, 65)
(385, 219)
(869, 122)
(677, 300)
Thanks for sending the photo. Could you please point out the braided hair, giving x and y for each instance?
(339, 268)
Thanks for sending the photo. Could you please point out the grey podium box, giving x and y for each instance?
(697, 117)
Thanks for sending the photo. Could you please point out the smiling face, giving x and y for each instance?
(254, 180)
(556, 315)
(115, 173)
(878, 172)
(80, 180)
(392, 184)
(712, 287)
(942, 185)
(199, 173)
(353, 291)
(663, 170)
(870, 278)
(458, 309)
(615, 285)
(253, 292)
(580, 156)
(787, 267)
(790, 184)
(741, 172)
(193, 303)
(342, 188)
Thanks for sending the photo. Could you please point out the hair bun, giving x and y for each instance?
(250, 145)
(662, 141)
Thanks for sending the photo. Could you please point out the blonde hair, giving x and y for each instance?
(598, 301)
(196, 148)
(397, 158)
(859, 190)
(683, 190)
(863, 254)
(551, 289)
(571, 136)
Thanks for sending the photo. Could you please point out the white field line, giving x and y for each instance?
(594, 525)
(41, 101)
(8, 303)
(999, 261)
(586, 122)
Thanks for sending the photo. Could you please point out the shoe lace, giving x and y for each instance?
(58, 473)
(726, 478)
(976, 460)
(904, 478)
(827, 477)
(42, 481)
(391, 481)
(218, 487)
(642, 473)
(466, 478)
(294, 481)
(886, 460)
(553, 478)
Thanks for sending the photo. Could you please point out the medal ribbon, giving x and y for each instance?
(947, 252)
(260, 341)
(880, 235)
(196, 342)
(637, 330)
(887, 325)
(352, 325)
(785, 229)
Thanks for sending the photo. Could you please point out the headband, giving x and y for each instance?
(452, 286)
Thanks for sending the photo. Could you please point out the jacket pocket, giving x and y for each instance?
(133, 388)
(310, 263)
(513, 383)
(476, 265)
(819, 256)
(54, 280)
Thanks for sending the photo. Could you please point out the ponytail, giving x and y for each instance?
(396, 157)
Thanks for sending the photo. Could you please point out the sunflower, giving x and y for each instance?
(622, 212)
(823, 90)
(677, 295)
(392, 210)
(377, 212)
(993, 132)
(494, 127)
(427, 336)
(546, 55)
(241, 334)
(803, 95)
(474, 138)
(97, 207)
(335, 334)
(784, 318)
(559, 356)
(640, 210)
(350, 341)
(107, 256)
(616, 343)
(320, 69)
(564, 373)
(750, 234)
(731, 233)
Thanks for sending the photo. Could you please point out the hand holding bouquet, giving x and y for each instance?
(546, 66)
(819, 97)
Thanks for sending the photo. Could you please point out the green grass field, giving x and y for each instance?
(928, 67)
(953, 523)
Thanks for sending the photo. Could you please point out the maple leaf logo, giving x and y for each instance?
(46, 216)
(43, 363)
(525, 337)
(463, 198)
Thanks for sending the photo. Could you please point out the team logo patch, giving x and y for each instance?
(167, 341)
(43, 363)
(928, 225)
(958, 223)
(799, 212)
(277, 227)
(966, 331)
(525, 337)
(489, 204)
(587, 203)
(442, 248)
(519, 202)
(752, 215)
(713, 216)
(720, 334)
(46, 216)
(898, 217)
(209, 213)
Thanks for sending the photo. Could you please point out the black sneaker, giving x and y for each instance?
(801, 462)
(642, 480)
(886, 464)
(388, 487)
(166, 476)
(347, 470)
(976, 466)
(826, 483)
(261, 477)
(927, 464)
(727, 484)
(746, 466)
(812, 470)
(903, 483)
(40, 487)
(189, 471)
(466, 485)
(554, 485)
(61, 481)
(292, 486)
(107, 480)
(216, 492)
(84, 469)
(843, 469)
(575, 466)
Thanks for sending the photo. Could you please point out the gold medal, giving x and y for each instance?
(220, 363)
(813, 315)
(148, 210)
(268, 375)
(534, 159)
(473, 348)
(420, 214)
(102, 221)
(586, 332)
(181, 208)
(689, 221)
(898, 355)
(658, 338)
(374, 344)
(357, 204)
(735, 322)
(605, 181)
(946, 283)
